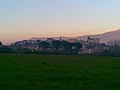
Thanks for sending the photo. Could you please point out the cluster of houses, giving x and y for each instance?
(93, 45)
(90, 46)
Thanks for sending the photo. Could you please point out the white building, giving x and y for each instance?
(93, 40)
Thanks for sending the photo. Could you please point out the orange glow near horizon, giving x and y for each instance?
(28, 34)
(24, 19)
(12, 33)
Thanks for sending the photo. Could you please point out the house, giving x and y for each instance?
(93, 40)
(49, 40)
(72, 40)
(92, 46)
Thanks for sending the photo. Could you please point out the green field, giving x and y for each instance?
(50, 72)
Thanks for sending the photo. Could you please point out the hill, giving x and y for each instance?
(105, 37)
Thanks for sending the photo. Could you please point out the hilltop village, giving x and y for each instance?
(52, 46)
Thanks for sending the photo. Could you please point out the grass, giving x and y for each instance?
(50, 72)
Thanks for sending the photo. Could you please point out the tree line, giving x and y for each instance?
(44, 47)
(59, 47)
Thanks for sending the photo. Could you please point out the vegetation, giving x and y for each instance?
(1, 44)
(44, 45)
(51, 72)
(114, 48)
(64, 47)
(4, 49)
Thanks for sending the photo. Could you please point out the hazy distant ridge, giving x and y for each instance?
(105, 37)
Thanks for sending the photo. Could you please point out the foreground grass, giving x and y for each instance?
(47, 72)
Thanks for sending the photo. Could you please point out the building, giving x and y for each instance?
(72, 40)
(92, 46)
(49, 40)
(93, 40)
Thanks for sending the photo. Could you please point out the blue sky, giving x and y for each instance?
(22, 19)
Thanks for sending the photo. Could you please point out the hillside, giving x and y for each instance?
(105, 37)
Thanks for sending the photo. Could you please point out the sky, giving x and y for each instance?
(23, 19)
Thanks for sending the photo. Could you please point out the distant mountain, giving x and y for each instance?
(105, 37)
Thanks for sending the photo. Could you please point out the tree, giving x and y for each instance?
(65, 47)
(56, 45)
(44, 45)
(115, 43)
(1, 44)
(75, 48)
(5, 49)
(77, 45)
(114, 47)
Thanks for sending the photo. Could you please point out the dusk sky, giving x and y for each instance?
(23, 19)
